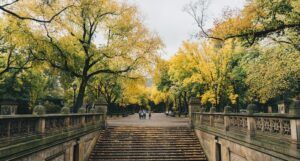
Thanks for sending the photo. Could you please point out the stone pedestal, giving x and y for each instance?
(194, 105)
(101, 107)
(295, 123)
(282, 108)
(294, 109)
(270, 110)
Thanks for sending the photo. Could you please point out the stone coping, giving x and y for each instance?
(275, 115)
(46, 115)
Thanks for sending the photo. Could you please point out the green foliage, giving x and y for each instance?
(273, 74)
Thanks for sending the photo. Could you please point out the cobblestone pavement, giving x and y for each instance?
(157, 120)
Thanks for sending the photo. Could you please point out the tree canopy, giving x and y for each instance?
(72, 53)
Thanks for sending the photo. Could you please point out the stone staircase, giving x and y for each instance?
(147, 144)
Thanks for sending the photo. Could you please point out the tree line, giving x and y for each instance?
(248, 56)
(52, 47)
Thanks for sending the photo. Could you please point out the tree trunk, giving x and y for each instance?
(185, 102)
(80, 96)
(180, 105)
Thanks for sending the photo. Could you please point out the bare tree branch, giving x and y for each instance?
(2, 7)
(8, 4)
(198, 12)
(12, 64)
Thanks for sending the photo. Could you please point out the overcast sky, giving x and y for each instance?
(167, 18)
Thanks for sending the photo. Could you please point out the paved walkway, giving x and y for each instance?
(157, 120)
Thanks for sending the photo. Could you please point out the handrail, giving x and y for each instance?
(276, 115)
(15, 127)
(280, 126)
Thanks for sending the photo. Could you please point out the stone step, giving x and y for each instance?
(156, 159)
(147, 153)
(147, 157)
(148, 141)
(147, 144)
(200, 150)
(150, 131)
(147, 137)
(147, 148)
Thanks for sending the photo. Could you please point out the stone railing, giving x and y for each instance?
(279, 127)
(255, 124)
(16, 127)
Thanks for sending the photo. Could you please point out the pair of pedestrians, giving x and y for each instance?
(142, 114)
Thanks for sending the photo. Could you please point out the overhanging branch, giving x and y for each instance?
(31, 18)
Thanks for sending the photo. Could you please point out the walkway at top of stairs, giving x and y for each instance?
(157, 120)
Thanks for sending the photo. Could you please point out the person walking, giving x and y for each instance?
(140, 114)
(149, 114)
(144, 114)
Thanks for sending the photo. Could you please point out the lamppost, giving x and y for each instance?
(74, 86)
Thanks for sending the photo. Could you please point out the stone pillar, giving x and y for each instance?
(211, 117)
(202, 110)
(282, 108)
(67, 122)
(101, 107)
(251, 120)
(41, 123)
(295, 122)
(79, 150)
(82, 121)
(194, 106)
(270, 110)
(66, 111)
(82, 111)
(69, 152)
(227, 110)
(295, 107)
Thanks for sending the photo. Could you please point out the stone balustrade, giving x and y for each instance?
(18, 127)
(278, 126)
(259, 136)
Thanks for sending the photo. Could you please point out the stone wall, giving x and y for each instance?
(234, 151)
(65, 151)
(60, 137)
(250, 136)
